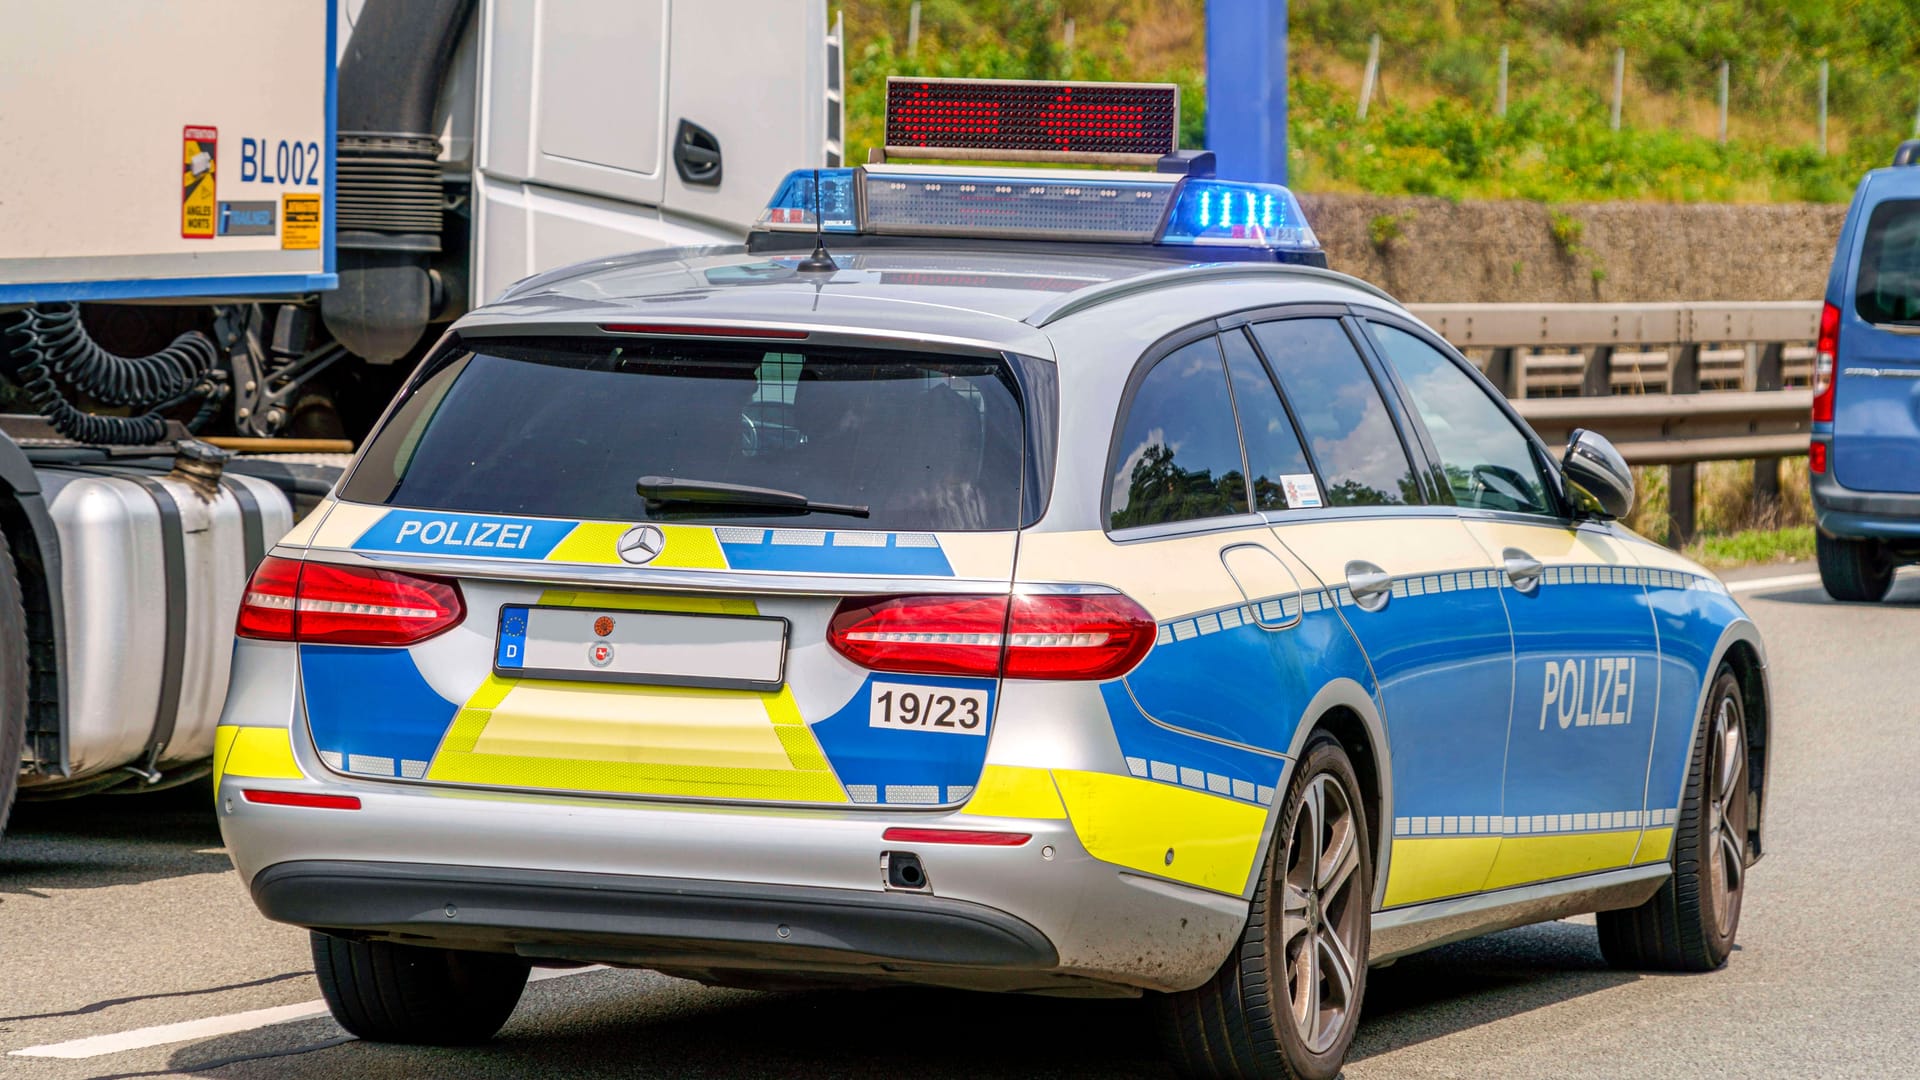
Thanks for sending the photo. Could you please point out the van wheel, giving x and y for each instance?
(1287, 1000)
(13, 681)
(1689, 924)
(384, 992)
(1856, 570)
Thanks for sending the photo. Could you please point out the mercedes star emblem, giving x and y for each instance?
(641, 544)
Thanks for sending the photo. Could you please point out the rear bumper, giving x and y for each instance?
(653, 922)
(1864, 515)
(701, 889)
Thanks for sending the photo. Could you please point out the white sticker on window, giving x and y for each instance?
(1301, 490)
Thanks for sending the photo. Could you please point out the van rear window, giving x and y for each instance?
(566, 427)
(1889, 288)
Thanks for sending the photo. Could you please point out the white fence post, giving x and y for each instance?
(1619, 84)
(1723, 102)
(1823, 108)
(913, 27)
(1500, 101)
(1373, 73)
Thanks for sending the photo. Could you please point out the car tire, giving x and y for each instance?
(1853, 570)
(1690, 923)
(385, 992)
(13, 681)
(1313, 904)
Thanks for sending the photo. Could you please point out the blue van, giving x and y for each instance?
(1865, 452)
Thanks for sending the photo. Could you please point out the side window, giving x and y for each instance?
(1178, 457)
(1889, 286)
(1281, 476)
(1348, 430)
(1488, 461)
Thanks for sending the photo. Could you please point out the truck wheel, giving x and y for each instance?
(384, 992)
(13, 681)
(1855, 570)
(1287, 1001)
(1689, 924)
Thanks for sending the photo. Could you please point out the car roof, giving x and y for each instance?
(998, 295)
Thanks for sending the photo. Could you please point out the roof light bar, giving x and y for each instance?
(1228, 213)
(793, 207)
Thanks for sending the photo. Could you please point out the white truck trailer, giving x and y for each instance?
(229, 229)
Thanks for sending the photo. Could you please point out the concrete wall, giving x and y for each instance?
(1435, 251)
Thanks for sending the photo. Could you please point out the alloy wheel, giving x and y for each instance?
(1321, 913)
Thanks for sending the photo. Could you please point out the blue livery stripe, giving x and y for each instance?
(825, 551)
(423, 532)
(897, 766)
(370, 711)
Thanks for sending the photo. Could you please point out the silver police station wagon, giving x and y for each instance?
(999, 578)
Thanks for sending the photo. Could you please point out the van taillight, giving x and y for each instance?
(345, 605)
(1044, 636)
(1826, 351)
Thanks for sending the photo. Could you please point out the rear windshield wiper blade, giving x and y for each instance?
(672, 489)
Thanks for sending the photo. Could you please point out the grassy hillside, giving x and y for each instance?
(1432, 128)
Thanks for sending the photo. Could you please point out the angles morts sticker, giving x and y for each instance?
(198, 146)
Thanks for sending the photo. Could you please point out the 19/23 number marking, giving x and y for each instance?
(927, 708)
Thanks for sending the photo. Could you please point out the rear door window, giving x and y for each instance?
(1889, 285)
(1275, 460)
(1349, 432)
(1178, 458)
(566, 427)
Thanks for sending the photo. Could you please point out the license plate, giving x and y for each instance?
(940, 709)
(746, 652)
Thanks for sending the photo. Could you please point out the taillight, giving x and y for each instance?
(1826, 349)
(1817, 457)
(345, 605)
(1045, 636)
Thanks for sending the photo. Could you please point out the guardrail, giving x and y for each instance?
(1670, 384)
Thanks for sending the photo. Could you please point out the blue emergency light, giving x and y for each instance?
(1168, 210)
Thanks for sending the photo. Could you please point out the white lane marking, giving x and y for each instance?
(1789, 579)
(1772, 582)
(186, 1030)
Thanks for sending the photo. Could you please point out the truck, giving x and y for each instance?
(191, 346)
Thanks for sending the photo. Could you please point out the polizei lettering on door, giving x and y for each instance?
(1593, 692)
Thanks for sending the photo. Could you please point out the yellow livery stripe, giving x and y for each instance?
(1655, 845)
(1432, 868)
(1526, 859)
(688, 547)
(1016, 792)
(1160, 829)
(264, 753)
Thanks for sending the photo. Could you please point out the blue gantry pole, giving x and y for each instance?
(1247, 88)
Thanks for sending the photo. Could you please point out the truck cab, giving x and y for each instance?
(1865, 452)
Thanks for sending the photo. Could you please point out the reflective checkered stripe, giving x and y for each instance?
(1201, 780)
(1482, 825)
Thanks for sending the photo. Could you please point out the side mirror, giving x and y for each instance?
(1598, 478)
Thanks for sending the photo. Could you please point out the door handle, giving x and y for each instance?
(1371, 586)
(1522, 569)
(696, 155)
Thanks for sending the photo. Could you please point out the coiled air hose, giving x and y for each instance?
(54, 347)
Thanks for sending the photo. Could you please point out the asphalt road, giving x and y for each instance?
(119, 915)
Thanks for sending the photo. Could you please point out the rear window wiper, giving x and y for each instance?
(658, 490)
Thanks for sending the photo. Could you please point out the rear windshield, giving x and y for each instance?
(566, 427)
(1889, 290)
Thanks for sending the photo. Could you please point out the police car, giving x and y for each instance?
(1012, 579)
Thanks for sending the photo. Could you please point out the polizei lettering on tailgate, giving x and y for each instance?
(470, 534)
(1593, 692)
